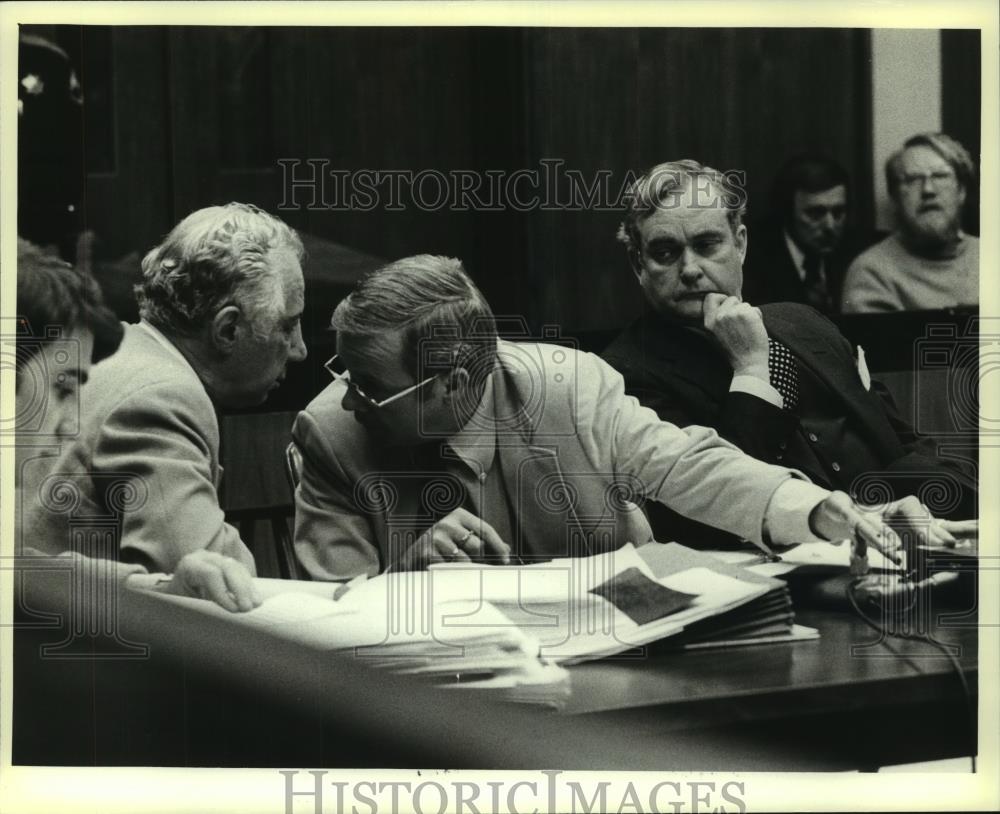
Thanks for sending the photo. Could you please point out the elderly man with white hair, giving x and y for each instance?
(220, 305)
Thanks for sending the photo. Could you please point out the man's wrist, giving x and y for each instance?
(756, 369)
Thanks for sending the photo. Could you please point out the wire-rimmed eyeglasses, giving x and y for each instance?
(336, 368)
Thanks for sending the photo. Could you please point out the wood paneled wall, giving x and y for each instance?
(742, 99)
(203, 115)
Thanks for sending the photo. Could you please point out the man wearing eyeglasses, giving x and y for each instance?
(929, 262)
(439, 442)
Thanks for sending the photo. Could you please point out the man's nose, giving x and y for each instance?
(298, 352)
(690, 270)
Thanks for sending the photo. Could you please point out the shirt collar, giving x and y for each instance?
(158, 335)
(798, 256)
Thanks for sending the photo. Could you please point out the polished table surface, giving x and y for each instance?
(210, 694)
(847, 667)
(851, 699)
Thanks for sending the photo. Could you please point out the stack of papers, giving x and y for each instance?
(594, 607)
(507, 629)
(804, 559)
(393, 623)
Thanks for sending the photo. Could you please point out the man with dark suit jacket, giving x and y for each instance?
(800, 253)
(779, 381)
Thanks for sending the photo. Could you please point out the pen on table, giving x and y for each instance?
(766, 550)
(345, 587)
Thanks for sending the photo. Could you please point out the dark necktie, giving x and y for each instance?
(783, 372)
(815, 288)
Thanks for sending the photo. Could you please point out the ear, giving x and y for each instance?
(741, 238)
(635, 261)
(224, 329)
(457, 382)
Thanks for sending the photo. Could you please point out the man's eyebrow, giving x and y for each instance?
(711, 232)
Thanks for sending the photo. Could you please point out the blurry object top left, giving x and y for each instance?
(50, 146)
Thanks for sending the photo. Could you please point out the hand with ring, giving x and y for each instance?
(459, 536)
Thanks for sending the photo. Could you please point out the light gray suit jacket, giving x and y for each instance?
(576, 454)
(140, 479)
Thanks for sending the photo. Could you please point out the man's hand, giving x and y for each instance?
(739, 329)
(223, 580)
(459, 536)
(910, 515)
(839, 518)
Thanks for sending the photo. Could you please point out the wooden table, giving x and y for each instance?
(846, 700)
(209, 694)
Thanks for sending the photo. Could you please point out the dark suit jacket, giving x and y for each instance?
(769, 274)
(685, 379)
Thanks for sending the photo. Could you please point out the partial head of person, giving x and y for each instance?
(226, 287)
(811, 196)
(416, 344)
(63, 327)
(50, 145)
(927, 180)
(684, 234)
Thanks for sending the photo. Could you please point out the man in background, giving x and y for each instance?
(779, 381)
(50, 147)
(220, 303)
(799, 255)
(928, 262)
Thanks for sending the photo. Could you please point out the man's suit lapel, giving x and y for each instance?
(679, 355)
(818, 353)
(790, 286)
(544, 503)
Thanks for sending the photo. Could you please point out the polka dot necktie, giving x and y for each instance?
(783, 372)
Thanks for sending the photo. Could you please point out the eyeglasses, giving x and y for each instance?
(339, 371)
(941, 178)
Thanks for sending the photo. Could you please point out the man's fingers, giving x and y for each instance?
(493, 544)
(471, 545)
(213, 586)
(879, 536)
(488, 540)
(939, 535)
(961, 529)
(449, 551)
(240, 585)
(710, 308)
